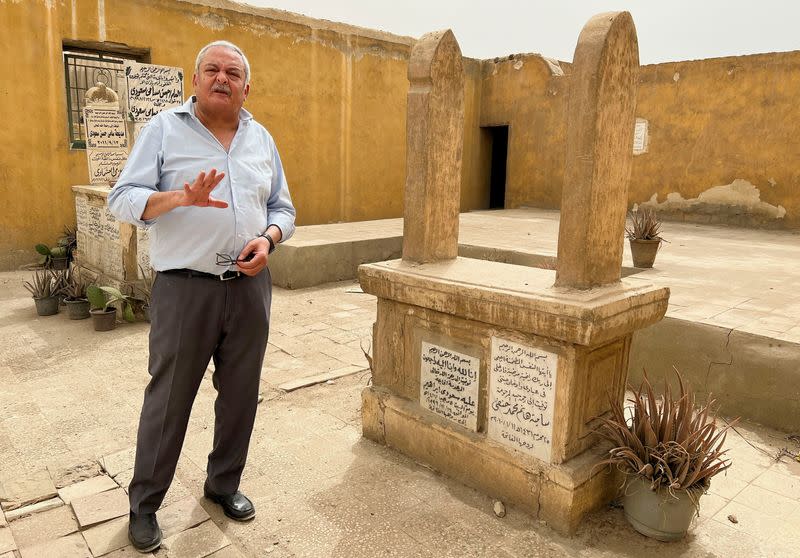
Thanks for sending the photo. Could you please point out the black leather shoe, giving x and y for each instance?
(143, 532)
(237, 506)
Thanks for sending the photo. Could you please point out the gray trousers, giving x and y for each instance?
(195, 319)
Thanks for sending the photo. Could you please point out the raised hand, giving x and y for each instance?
(199, 192)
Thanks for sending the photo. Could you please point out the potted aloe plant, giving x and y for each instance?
(644, 235)
(668, 450)
(104, 312)
(43, 288)
(75, 291)
(62, 278)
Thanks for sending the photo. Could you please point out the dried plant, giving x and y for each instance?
(667, 441)
(62, 279)
(77, 285)
(42, 284)
(145, 286)
(644, 224)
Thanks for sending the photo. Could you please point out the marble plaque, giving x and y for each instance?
(522, 386)
(105, 129)
(640, 137)
(449, 384)
(151, 89)
(105, 165)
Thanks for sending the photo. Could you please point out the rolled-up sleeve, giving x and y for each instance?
(140, 177)
(280, 210)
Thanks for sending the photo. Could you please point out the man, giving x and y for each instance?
(208, 180)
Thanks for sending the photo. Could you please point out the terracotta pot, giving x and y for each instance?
(644, 252)
(658, 515)
(104, 320)
(77, 309)
(59, 263)
(46, 306)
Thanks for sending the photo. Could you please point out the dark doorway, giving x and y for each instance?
(497, 177)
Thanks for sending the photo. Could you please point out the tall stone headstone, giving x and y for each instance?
(600, 125)
(487, 371)
(435, 131)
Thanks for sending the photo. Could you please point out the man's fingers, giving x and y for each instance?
(249, 247)
(212, 202)
(254, 266)
(217, 180)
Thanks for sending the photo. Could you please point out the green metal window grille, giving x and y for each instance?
(84, 69)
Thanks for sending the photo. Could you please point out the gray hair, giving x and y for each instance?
(228, 45)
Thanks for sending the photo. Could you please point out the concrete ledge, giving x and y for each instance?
(751, 376)
(559, 494)
(319, 254)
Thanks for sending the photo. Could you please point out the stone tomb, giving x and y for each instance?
(493, 373)
(105, 246)
(113, 250)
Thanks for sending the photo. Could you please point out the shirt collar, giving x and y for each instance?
(188, 108)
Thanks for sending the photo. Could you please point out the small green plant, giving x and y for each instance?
(62, 251)
(644, 225)
(51, 253)
(103, 298)
(672, 444)
(42, 284)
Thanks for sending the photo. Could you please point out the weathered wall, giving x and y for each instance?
(721, 145)
(525, 93)
(332, 95)
(723, 134)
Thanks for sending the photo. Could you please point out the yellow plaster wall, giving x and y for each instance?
(520, 92)
(722, 136)
(716, 121)
(332, 95)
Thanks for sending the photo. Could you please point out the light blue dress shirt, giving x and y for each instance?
(173, 148)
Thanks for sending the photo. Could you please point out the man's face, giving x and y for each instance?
(219, 83)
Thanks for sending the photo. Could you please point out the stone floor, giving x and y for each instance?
(69, 403)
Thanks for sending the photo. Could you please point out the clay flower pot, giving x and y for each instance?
(77, 309)
(658, 514)
(104, 320)
(644, 251)
(46, 306)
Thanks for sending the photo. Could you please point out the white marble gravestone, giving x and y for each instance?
(151, 89)
(522, 387)
(449, 384)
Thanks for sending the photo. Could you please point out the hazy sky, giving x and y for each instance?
(668, 29)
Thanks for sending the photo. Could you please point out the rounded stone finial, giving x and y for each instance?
(100, 94)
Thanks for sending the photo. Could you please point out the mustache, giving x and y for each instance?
(221, 88)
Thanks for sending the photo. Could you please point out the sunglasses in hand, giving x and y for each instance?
(226, 260)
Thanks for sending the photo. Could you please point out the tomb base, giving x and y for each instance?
(561, 495)
(490, 375)
(109, 249)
